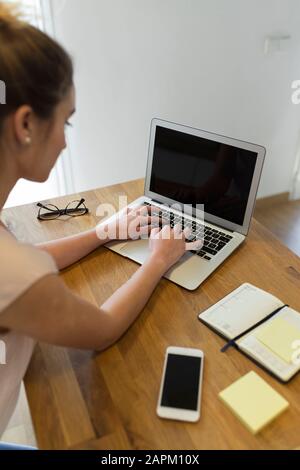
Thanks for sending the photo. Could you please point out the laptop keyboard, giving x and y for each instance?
(213, 240)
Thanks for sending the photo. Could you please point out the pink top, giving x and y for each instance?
(21, 265)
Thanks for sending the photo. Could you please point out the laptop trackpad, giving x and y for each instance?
(138, 250)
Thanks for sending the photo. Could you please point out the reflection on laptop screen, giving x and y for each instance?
(193, 170)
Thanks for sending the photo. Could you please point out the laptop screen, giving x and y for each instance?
(193, 170)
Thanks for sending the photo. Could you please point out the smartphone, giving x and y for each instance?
(181, 385)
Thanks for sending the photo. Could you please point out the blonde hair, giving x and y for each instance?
(35, 69)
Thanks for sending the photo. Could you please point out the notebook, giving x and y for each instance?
(254, 402)
(261, 326)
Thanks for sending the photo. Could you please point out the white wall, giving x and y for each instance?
(196, 62)
(26, 191)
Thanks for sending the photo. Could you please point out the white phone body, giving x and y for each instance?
(181, 384)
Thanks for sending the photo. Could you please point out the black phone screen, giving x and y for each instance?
(181, 384)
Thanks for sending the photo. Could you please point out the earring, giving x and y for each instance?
(28, 140)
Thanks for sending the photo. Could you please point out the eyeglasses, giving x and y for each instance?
(51, 212)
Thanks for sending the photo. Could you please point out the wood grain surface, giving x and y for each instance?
(83, 400)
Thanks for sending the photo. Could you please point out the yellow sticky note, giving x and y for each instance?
(253, 401)
(279, 336)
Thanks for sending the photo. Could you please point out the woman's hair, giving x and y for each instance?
(35, 69)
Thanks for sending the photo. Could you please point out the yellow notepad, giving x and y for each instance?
(253, 401)
(279, 335)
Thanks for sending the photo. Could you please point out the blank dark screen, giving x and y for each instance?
(181, 383)
(193, 170)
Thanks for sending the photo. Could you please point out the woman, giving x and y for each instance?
(34, 302)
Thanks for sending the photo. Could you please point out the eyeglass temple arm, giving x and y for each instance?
(47, 208)
(39, 204)
(79, 203)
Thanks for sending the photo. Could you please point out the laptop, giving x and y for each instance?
(205, 181)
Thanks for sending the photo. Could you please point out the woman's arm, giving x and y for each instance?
(69, 250)
(127, 225)
(50, 312)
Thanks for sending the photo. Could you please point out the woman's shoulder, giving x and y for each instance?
(15, 254)
(21, 265)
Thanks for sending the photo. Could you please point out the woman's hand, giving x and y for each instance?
(129, 224)
(168, 245)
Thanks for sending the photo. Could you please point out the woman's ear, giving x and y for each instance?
(23, 122)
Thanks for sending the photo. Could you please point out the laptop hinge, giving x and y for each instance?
(219, 226)
(156, 202)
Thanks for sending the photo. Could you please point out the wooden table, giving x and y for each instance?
(84, 400)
